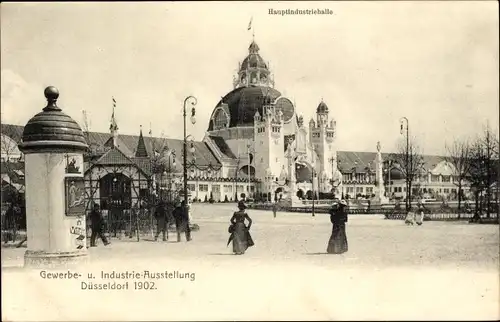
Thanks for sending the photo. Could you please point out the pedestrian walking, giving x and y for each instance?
(338, 239)
(12, 218)
(275, 209)
(419, 219)
(161, 220)
(240, 233)
(181, 217)
(97, 222)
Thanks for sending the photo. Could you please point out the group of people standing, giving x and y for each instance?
(166, 214)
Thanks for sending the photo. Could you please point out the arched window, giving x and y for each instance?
(220, 119)
(253, 78)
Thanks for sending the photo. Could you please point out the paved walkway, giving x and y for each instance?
(392, 271)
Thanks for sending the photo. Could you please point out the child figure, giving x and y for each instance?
(410, 217)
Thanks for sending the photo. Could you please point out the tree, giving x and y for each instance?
(238, 161)
(163, 164)
(484, 170)
(88, 156)
(10, 153)
(8, 146)
(458, 155)
(410, 162)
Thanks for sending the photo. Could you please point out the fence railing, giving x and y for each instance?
(438, 214)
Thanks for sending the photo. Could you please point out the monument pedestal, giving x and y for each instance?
(41, 259)
(378, 201)
(293, 201)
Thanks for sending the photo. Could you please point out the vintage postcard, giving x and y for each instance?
(250, 161)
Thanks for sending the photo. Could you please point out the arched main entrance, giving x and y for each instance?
(115, 197)
(278, 194)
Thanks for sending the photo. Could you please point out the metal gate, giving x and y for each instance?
(124, 194)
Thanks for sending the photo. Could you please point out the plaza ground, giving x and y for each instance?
(441, 270)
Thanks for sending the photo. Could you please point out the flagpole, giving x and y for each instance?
(152, 199)
(249, 162)
(250, 27)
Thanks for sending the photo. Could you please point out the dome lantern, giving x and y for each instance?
(253, 70)
(322, 108)
(52, 130)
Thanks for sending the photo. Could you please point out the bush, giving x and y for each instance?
(206, 199)
(225, 199)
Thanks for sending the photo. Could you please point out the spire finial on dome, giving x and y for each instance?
(254, 48)
(51, 94)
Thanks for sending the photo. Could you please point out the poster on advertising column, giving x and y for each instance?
(74, 164)
(75, 196)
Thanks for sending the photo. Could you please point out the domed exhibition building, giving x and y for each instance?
(256, 146)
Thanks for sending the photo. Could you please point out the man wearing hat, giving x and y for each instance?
(161, 220)
(181, 220)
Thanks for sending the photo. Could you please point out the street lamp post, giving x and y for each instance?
(193, 121)
(313, 172)
(332, 161)
(402, 121)
(249, 151)
(354, 172)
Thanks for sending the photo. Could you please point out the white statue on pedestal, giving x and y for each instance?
(379, 175)
(337, 183)
(292, 179)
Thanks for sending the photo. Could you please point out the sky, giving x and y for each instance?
(372, 63)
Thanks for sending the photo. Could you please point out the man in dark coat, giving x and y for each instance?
(97, 221)
(161, 220)
(12, 218)
(182, 221)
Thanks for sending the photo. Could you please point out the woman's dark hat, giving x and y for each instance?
(343, 202)
(241, 204)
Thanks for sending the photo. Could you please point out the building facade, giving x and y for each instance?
(244, 152)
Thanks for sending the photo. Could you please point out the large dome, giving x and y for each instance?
(254, 88)
(243, 103)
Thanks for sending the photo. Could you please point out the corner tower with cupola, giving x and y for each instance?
(322, 138)
(269, 142)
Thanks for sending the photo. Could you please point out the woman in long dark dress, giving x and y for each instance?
(240, 233)
(338, 240)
